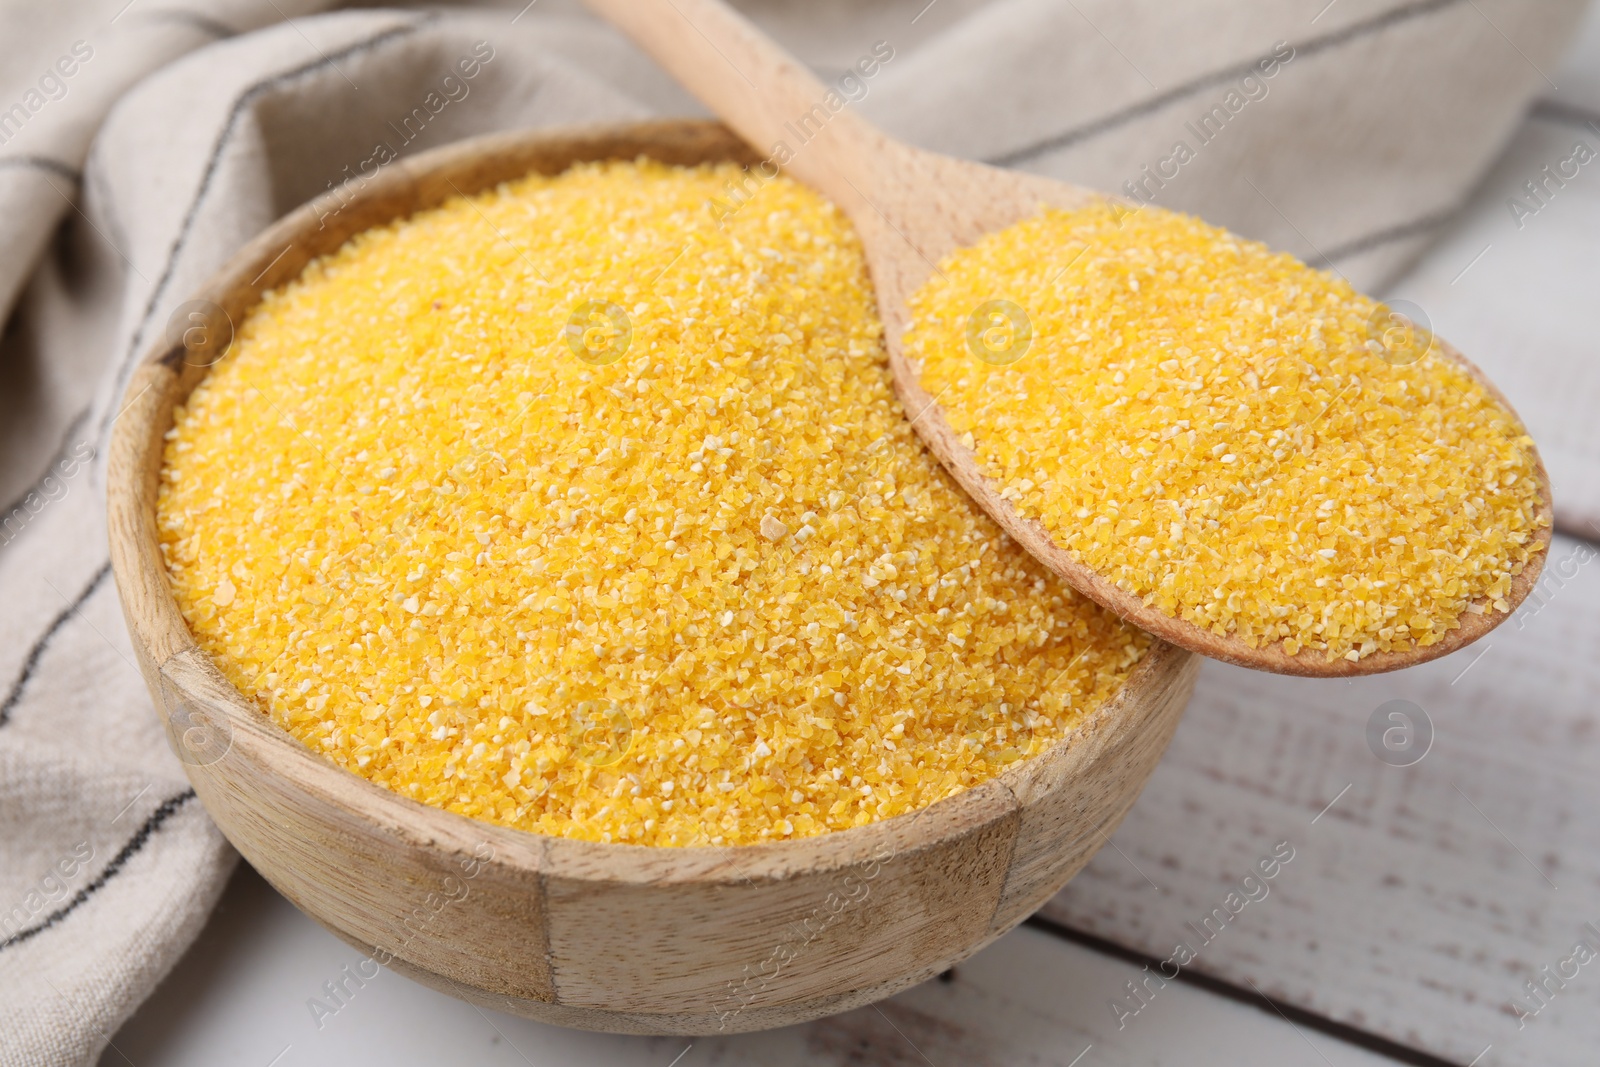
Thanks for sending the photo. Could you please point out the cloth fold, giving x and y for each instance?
(1345, 135)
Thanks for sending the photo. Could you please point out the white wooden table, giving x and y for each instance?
(1419, 901)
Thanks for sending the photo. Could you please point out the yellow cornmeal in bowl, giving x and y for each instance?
(1235, 438)
(567, 508)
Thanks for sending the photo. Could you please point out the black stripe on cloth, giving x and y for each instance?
(1566, 114)
(31, 664)
(1336, 39)
(54, 166)
(1547, 110)
(213, 163)
(139, 839)
(1388, 235)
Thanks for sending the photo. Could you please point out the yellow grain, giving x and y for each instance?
(1237, 439)
(675, 573)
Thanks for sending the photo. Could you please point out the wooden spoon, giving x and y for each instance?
(912, 207)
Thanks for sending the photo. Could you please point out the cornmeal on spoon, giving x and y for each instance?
(1432, 522)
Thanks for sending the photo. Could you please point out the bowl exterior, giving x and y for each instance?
(606, 937)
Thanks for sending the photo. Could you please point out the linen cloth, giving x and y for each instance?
(139, 147)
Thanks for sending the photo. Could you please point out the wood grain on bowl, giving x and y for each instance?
(600, 936)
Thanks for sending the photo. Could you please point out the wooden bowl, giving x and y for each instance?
(612, 937)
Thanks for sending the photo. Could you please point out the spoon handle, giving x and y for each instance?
(766, 95)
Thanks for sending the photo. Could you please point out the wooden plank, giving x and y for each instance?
(1419, 897)
(240, 996)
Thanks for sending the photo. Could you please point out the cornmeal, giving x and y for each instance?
(569, 507)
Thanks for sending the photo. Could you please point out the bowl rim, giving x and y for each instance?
(175, 663)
